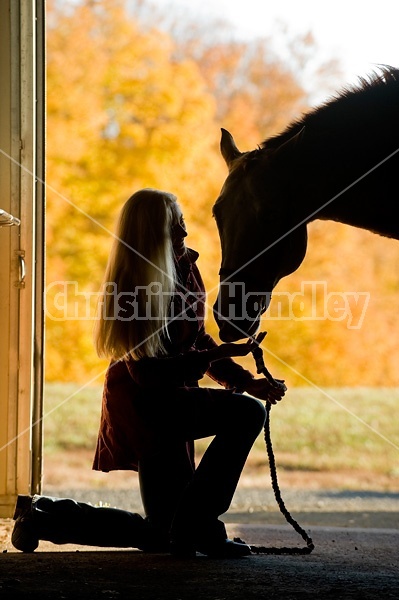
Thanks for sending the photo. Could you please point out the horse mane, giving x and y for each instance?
(374, 80)
(353, 97)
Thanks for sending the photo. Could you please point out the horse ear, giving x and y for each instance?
(228, 147)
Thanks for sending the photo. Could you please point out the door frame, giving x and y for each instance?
(22, 194)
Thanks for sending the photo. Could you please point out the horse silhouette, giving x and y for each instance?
(339, 162)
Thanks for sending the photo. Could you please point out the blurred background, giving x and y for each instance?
(136, 94)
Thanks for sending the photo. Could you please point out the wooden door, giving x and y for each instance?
(22, 192)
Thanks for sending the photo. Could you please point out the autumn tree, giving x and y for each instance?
(128, 108)
(122, 114)
(131, 104)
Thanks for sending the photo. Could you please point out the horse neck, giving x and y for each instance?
(334, 194)
(342, 159)
(378, 218)
(373, 211)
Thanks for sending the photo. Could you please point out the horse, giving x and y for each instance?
(339, 162)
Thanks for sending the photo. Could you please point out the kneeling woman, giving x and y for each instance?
(151, 327)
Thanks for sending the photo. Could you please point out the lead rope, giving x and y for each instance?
(261, 369)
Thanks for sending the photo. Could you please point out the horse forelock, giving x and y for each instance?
(250, 159)
(245, 161)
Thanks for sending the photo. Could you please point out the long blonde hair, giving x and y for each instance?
(141, 255)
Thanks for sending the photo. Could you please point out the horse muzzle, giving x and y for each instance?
(230, 331)
(238, 313)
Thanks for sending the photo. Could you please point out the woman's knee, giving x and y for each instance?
(248, 412)
(258, 411)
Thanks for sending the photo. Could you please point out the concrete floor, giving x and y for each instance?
(346, 563)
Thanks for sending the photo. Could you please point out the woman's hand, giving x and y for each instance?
(259, 388)
(232, 350)
(263, 390)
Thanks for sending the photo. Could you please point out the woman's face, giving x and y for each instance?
(179, 232)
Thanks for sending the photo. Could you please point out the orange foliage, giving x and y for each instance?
(130, 106)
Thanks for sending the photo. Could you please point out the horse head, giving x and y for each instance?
(260, 238)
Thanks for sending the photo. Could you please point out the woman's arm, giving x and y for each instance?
(188, 367)
(226, 372)
(169, 370)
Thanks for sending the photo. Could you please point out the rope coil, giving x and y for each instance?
(261, 369)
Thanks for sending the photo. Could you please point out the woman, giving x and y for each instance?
(151, 326)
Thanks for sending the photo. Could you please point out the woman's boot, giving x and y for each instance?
(65, 521)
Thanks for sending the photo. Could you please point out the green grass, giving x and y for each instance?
(71, 416)
(337, 429)
(312, 430)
